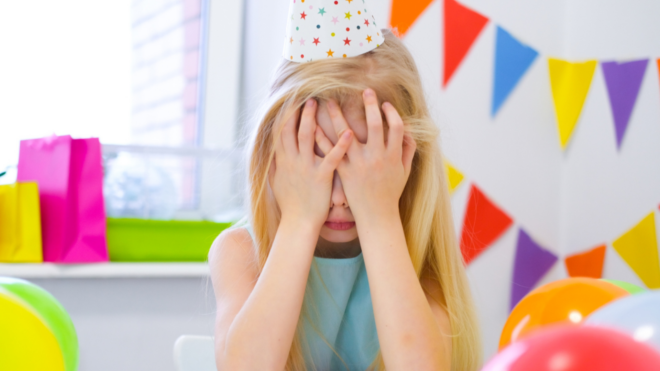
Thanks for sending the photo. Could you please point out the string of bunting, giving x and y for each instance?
(570, 80)
(485, 222)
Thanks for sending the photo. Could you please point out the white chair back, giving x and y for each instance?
(194, 353)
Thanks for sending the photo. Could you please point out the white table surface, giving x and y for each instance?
(103, 270)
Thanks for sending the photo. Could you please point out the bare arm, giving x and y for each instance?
(257, 314)
(413, 330)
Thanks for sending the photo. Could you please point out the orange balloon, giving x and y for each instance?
(565, 301)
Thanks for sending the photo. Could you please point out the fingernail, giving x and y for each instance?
(310, 103)
(347, 134)
(331, 104)
(368, 93)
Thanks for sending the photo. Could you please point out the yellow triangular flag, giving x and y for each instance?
(639, 248)
(570, 84)
(455, 177)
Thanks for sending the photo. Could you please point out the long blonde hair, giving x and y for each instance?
(424, 205)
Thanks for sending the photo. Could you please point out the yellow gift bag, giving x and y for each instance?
(20, 223)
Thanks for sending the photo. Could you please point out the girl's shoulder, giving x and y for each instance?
(239, 233)
(233, 247)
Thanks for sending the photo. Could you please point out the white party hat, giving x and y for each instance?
(320, 29)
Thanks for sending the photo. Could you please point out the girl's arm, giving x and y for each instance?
(410, 324)
(374, 175)
(258, 312)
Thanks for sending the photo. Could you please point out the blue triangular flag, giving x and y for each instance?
(512, 60)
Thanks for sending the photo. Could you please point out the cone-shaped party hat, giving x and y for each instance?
(320, 29)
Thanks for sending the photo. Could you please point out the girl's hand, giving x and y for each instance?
(301, 180)
(373, 174)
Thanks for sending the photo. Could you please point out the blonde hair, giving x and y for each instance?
(424, 205)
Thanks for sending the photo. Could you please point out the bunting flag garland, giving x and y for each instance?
(454, 177)
(462, 26)
(512, 60)
(570, 84)
(623, 82)
(484, 223)
(570, 81)
(586, 264)
(639, 249)
(532, 262)
(405, 12)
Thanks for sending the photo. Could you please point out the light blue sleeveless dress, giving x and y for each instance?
(338, 303)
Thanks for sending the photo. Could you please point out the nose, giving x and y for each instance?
(337, 198)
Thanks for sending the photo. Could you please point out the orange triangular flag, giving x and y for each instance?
(658, 73)
(586, 264)
(405, 12)
(462, 26)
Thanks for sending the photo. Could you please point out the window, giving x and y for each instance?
(137, 74)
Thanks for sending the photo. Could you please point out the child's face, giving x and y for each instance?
(339, 207)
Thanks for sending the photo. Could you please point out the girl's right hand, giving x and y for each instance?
(300, 179)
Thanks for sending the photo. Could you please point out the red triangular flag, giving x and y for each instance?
(484, 223)
(462, 26)
(586, 264)
(405, 12)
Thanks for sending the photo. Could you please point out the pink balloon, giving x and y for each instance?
(576, 348)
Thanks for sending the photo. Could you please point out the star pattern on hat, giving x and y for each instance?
(347, 30)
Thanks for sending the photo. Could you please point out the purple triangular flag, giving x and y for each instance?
(531, 264)
(623, 82)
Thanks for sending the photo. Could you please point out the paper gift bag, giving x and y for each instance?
(20, 223)
(70, 177)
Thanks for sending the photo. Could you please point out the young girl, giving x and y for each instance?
(348, 258)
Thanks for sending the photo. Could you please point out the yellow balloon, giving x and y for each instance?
(26, 344)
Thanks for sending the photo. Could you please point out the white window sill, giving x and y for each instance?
(104, 270)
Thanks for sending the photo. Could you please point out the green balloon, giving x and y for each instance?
(51, 312)
(632, 289)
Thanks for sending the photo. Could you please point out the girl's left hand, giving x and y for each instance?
(374, 174)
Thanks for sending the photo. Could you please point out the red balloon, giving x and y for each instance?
(576, 348)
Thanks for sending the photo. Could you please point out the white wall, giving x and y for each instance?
(568, 200)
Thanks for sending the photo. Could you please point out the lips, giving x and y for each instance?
(340, 226)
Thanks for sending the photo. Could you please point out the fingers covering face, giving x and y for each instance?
(307, 129)
(396, 130)
(340, 124)
(288, 143)
(375, 138)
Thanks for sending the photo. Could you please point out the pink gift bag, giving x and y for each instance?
(70, 177)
